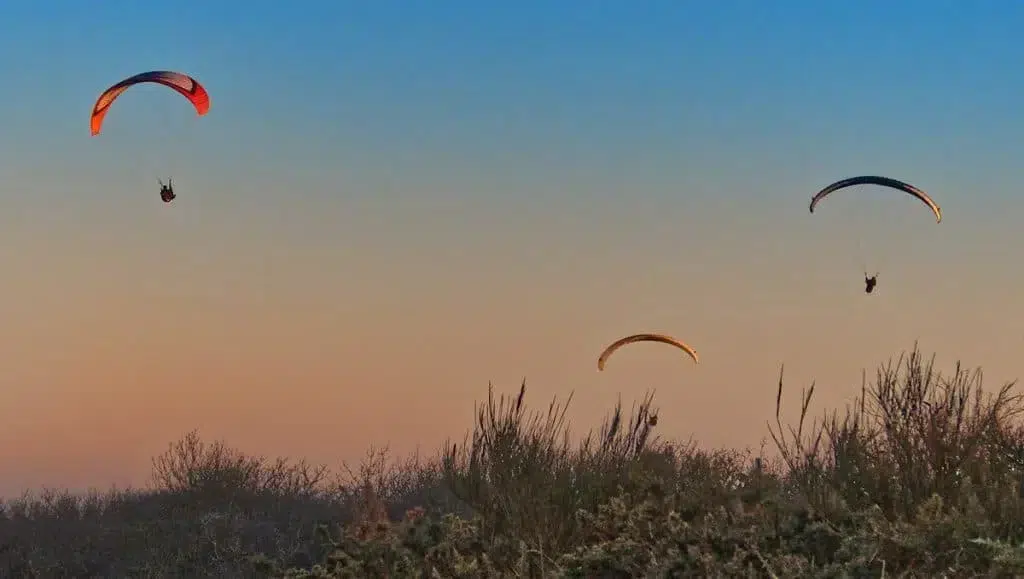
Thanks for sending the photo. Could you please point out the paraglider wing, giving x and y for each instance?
(185, 85)
(884, 182)
(644, 338)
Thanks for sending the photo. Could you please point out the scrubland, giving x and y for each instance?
(922, 477)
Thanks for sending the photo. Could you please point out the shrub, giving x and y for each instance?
(920, 477)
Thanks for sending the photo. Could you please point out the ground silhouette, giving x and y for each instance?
(921, 477)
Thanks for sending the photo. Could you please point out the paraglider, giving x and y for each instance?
(644, 338)
(166, 191)
(870, 282)
(884, 182)
(185, 85)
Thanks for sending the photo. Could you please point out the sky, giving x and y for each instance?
(392, 204)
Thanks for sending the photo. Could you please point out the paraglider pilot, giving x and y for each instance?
(869, 283)
(166, 191)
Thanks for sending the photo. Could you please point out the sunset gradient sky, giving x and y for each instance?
(392, 203)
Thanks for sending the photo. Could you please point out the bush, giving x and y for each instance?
(920, 477)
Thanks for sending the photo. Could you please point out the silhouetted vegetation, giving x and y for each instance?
(921, 477)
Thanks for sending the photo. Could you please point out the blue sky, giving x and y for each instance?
(812, 87)
(529, 178)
